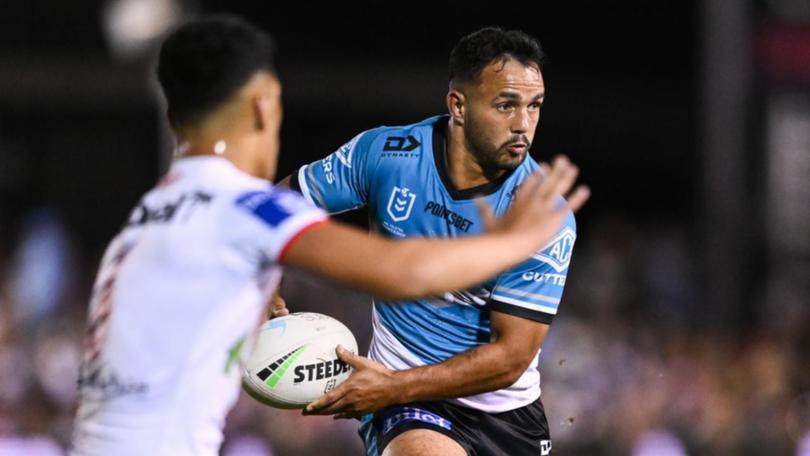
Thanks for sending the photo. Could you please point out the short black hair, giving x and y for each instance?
(478, 49)
(206, 60)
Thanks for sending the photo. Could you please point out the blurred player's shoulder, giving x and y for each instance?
(193, 183)
(211, 174)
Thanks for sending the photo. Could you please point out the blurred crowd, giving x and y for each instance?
(629, 367)
(632, 368)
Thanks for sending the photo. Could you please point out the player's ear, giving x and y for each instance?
(456, 105)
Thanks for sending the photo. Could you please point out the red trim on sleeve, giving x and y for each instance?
(297, 235)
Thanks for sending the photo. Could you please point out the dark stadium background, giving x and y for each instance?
(684, 328)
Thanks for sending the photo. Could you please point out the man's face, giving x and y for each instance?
(502, 110)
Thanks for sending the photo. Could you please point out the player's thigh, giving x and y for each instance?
(423, 442)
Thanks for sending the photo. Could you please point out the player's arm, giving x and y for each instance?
(420, 267)
(340, 181)
(514, 344)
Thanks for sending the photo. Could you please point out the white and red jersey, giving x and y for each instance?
(179, 292)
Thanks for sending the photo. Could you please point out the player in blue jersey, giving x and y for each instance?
(456, 373)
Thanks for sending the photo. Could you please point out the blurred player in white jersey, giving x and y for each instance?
(182, 287)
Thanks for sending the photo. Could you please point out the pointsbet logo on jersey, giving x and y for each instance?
(557, 253)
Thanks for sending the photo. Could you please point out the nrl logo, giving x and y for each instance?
(557, 253)
(400, 204)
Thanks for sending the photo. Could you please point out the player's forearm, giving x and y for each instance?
(486, 368)
(436, 266)
(409, 268)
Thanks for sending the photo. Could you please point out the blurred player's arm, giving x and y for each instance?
(514, 344)
(421, 267)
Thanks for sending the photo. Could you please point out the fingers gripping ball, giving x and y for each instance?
(294, 360)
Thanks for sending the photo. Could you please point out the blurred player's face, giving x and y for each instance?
(501, 114)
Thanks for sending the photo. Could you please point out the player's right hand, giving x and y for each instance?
(368, 389)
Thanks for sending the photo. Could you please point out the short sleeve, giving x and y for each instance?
(270, 221)
(533, 289)
(339, 182)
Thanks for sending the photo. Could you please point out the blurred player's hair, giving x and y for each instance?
(205, 61)
(478, 49)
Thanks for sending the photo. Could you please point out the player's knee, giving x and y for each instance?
(423, 442)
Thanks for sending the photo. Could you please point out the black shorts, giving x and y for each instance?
(518, 432)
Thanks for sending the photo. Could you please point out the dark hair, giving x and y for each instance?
(480, 48)
(205, 61)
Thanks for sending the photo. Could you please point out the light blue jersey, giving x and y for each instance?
(399, 173)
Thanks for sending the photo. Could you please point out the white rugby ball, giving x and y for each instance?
(294, 361)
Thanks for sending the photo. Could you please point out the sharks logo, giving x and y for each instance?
(400, 203)
(557, 253)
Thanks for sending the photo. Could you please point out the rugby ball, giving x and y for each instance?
(294, 361)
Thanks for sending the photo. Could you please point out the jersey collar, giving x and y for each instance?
(439, 158)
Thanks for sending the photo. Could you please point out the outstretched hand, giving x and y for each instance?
(536, 210)
(368, 389)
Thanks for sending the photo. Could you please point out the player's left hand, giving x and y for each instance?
(368, 389)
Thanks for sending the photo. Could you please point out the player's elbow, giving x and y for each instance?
(512, 366)
(512, 372)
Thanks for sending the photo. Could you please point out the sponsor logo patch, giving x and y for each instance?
(399, 154)
(401, 144)
(107, 385)
(166, 213)
(273, 206)
(401, 415)
(554, 279)
(557, 253)
(452, 218)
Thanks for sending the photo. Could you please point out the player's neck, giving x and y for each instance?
(235, 150)
(227, 133)
(462, 168)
